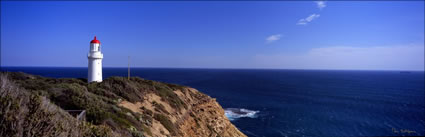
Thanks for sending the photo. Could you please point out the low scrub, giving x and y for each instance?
(166, 123)
(26, 114)
(31, 99)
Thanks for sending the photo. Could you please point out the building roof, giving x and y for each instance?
(95, 40)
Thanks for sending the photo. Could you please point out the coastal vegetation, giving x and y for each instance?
(32, 105)
(23, 113)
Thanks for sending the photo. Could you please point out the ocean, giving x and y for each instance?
(274, 103)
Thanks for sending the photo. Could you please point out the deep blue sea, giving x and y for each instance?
(272, 103)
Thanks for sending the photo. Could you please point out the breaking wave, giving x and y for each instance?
(235, 113)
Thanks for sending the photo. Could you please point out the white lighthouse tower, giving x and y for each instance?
(95, 61)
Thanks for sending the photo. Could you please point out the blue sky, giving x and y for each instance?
(217, 34)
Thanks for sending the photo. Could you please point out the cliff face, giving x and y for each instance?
(121, 107)
(202, 116)
(206, 117)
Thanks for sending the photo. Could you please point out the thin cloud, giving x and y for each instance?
(403, 57)
(273, 38)
(307, 20)
(321, 4)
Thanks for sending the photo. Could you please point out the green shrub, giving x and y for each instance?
(74, 96)
(176, 87)
(167, 94)
(99, 131)
(96, 88)
(122, 121)
(166, 123)
(160, 108)
(123, 88)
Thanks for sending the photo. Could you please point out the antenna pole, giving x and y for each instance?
(128, 68)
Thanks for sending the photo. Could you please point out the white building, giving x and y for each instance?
(95, 61)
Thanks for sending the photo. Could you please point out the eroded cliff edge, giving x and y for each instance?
(115, 107)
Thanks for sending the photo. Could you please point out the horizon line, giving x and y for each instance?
(226, 68)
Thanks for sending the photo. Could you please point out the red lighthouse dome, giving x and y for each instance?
(95, 40)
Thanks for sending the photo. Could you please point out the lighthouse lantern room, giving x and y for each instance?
(95, 57)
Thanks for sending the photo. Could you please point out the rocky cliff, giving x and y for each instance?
(115, 107)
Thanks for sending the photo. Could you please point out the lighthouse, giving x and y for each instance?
(95, 57)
